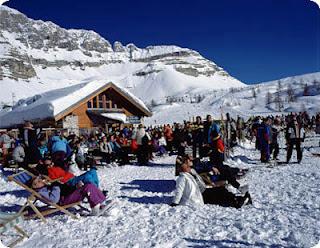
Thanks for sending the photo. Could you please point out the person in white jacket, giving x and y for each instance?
(192, 191)
(19, 156)
(142, 137)
(189, 185)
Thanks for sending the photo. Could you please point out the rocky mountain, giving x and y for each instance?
(37, 56)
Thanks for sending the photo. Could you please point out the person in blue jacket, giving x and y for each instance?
(264, 136)
(60, 149)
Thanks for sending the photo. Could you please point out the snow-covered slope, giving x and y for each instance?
(37, 56)
(244, 101)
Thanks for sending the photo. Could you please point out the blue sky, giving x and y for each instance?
(254, 40)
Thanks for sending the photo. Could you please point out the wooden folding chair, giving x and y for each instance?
(9, 222)
(22, 178)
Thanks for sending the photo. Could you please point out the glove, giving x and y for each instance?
(173, 204)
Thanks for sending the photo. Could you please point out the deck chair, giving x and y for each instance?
(22, 178)
(9, 222)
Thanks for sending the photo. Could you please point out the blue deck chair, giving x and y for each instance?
(22, 179)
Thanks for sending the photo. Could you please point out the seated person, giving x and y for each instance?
(191, 190)
(105, 150)
(19, 155)
(216, 165)
(67, 195)
(117, 151)
(56, 172)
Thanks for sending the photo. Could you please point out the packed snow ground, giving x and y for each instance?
(285, 210)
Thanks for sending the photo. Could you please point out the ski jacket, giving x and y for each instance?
(187, 190)
(59, 144)
(140, 133)
(56, 172)
(51, 194)
(18, 154)
(295, 132)
(105, 147)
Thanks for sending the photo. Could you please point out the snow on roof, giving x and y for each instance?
(55, 102)
(116, 116)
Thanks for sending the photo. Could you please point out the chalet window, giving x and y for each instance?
(100, 97)
(89, 104)
(100, 104)
(94, 102)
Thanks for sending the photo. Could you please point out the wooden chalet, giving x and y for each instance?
(97, 107)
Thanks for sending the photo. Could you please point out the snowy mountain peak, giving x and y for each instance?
(40, 56)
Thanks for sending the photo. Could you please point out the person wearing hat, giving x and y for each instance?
(191, 189)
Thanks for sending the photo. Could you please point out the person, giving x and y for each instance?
(142, 137)
(117, 151)
(6, 143)
(162, 144)
(42, 148)
(264, 136)
(19, 155)
(274, 146)
(168, 134)
(198, 138)
(218, 168)
(60, 148)
(179, 139)
(214, 127)
(229, 134)
(191, 189)
(30, 140)
(295, 136)
(217, 148)
(80, 152)
(57, 193)
(56, 172)
(105, 150)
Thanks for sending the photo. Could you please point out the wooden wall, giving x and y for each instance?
(112, 101)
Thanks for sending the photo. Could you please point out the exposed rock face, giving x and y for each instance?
(42, 52)
(28, 43)
(118, 47)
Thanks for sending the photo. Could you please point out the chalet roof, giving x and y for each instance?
(56, 103)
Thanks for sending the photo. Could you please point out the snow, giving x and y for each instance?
(160, 64)
(285, 210)
(52, 103)
(116, 116)
(240, 101)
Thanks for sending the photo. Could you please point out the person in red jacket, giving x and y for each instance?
(217, 147)
(219, 169)
(56, 172)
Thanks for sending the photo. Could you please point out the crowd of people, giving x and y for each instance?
(201, 147)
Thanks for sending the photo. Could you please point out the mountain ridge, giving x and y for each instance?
(40, 56)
